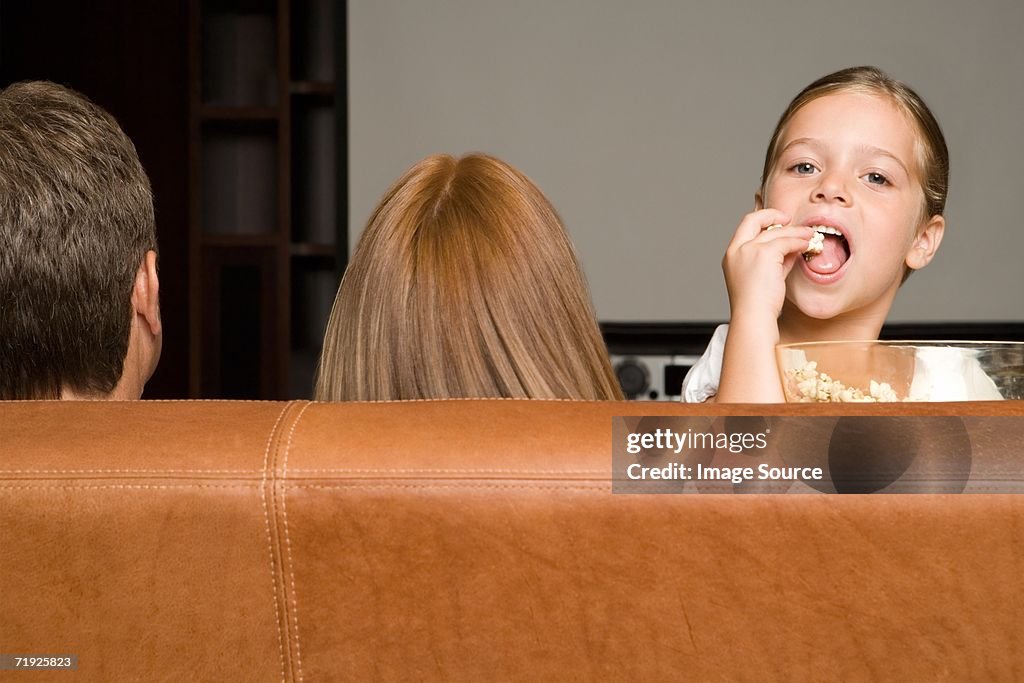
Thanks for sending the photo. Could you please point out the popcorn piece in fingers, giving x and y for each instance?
(817, 242)
(816, 245)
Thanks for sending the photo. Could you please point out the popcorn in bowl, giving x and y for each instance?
(817, 387)
(874, 371)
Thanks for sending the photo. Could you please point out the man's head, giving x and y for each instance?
(79, 296)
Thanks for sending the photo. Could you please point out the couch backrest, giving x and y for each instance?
(470, 540)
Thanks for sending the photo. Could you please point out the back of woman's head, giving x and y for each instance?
(464, 284)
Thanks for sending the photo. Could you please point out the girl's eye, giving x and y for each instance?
(803, 168)
(877, 179)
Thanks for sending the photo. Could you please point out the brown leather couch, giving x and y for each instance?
(474, 541)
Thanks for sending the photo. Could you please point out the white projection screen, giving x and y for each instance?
(646, 124)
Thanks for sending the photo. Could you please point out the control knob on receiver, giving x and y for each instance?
(634, 377)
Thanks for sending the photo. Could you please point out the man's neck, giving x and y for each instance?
(127, 389)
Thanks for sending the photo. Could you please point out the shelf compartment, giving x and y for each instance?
(239, 53)
(313, 291)
(239, 183)
(312, 53)
(239, 322)
(314, 211)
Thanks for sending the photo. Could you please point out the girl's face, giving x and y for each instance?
(847, 160)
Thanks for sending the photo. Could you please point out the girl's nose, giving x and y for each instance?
(831, 189)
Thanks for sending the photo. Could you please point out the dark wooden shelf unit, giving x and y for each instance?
(267, 222)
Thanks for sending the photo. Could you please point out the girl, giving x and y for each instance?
(859, 158)
(464, 284)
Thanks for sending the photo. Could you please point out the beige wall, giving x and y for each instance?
(646, 125)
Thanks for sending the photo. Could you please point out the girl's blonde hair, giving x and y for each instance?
(932, 155)
(464, 284)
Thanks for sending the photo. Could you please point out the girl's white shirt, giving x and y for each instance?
(701, 382)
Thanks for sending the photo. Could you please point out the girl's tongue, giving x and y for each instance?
(832, 257)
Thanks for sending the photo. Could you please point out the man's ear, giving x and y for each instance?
(758, 201)
(146, 293)
(923, 249)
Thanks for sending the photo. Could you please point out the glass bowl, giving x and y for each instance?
(869, 371)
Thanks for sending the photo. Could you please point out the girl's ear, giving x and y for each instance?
(926, 243)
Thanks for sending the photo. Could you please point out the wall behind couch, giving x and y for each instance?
(646, 124)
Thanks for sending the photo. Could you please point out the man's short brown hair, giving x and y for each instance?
(76, 220)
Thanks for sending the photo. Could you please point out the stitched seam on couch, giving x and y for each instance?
(1004, 489)
(288, 543)
(270, 545)
(603, 488)
(130, 486)
(133, 471)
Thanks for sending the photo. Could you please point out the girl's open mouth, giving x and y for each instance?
(827, 265)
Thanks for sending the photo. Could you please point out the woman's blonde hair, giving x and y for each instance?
(464, 284)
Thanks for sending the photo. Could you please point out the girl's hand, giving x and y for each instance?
(756, 265)
(758, 260)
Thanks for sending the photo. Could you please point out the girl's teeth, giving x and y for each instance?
(827, 229)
